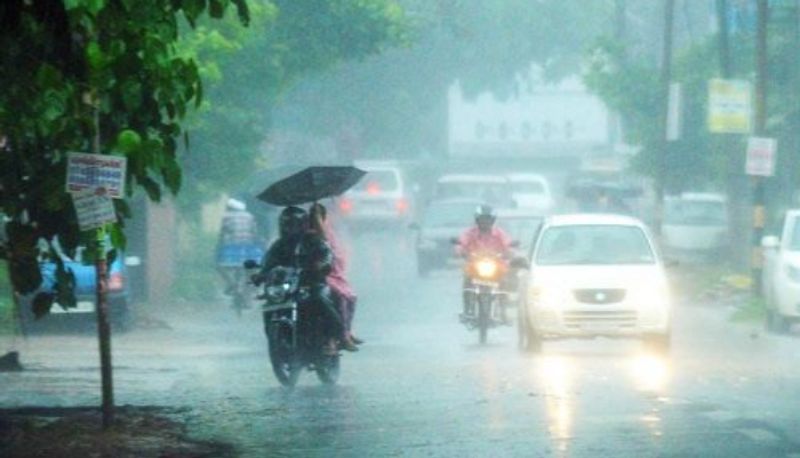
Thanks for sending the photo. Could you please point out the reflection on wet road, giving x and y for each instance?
(422, 386)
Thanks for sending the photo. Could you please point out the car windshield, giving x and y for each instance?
(377, 181)
(594, 245)
(493, 193)
(449, 215)
(695, 213)
(528, 187)
(794, 242)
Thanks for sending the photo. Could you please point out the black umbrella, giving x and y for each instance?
(310, 184)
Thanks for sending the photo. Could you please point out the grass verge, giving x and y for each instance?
(752, 311)
(139, 432)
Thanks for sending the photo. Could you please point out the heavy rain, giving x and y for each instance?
(372, 228)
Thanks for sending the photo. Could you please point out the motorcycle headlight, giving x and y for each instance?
(277, 293)
(793, 272)
(486, 268)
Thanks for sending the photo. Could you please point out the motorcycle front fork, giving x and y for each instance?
(470, 304)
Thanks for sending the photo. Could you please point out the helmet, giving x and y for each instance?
(292, 221)
(484, 216)
(235, 204)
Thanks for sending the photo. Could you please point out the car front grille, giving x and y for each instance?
(599, 296)
(594, 318)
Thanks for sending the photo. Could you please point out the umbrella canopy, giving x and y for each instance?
(310, 184)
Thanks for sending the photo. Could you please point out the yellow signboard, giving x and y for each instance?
(729, 106)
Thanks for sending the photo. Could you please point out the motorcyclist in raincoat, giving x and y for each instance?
(298, 246)
(483, 237)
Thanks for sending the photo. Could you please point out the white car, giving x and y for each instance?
(380, 196)
(491, 189)
(531, 191)
(781, 275)
(695, 226)
(594, 275)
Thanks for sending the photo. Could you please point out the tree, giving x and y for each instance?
(397, 101)
(629, 86)
(248, 70)
(78, 72)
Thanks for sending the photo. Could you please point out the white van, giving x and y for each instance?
(531, 191)
(379, 197)
(695, 226)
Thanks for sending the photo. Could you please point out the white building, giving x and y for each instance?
(544, 120)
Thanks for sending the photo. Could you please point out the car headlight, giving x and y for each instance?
(546, 296)
(649, 295)
(486, 268)
(793, 272)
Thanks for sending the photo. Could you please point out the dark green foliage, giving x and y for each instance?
(66, 64)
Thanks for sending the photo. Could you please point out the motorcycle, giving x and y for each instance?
(293, 328)
(486, 272)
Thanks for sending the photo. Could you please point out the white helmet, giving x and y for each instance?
(235, 204)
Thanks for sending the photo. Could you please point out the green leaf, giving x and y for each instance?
(151, 187)
(65, 285)
(131, 95)
(95, 56)
(117, 236)
(216, 8)
(25, 274)
(94, 6)
(172, 176)
(128, 141)
(42, 303)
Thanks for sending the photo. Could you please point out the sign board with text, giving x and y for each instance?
(94, 210)
(761, 154)
(96, 171)
(729, 106)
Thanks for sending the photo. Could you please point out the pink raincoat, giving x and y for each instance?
(475, 241)
(336, 279)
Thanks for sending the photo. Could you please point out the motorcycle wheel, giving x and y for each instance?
(286, 370)
(484, 311)
(328, 370)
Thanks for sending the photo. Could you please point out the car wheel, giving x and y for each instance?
(529, 340)
(658, 343)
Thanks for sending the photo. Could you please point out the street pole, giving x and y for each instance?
(101, 307)
(663, 144)
(737, 202)
(759, 207)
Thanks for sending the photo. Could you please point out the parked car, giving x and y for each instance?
(695, 226)
(83, 313)
(494, 190)
(380, 197)
(594, 275)
(781, 274)
(441, 221)
(531, 191)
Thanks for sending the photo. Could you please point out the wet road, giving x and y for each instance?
(422, 386)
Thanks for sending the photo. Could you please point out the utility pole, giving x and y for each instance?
(737, 203)
(101, 302)
(724, 39)
(759, 211)
(663, 144)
